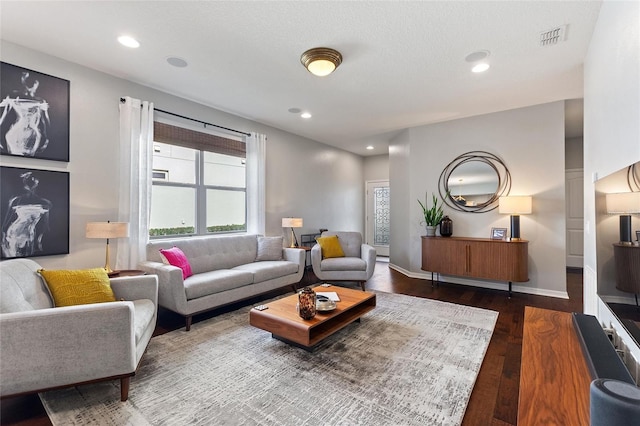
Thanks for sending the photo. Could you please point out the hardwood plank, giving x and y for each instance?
(554, 387)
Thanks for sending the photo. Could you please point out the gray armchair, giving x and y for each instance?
(357, 265)
(43, 348)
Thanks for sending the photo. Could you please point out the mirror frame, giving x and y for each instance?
(504, 181)
(633, 177)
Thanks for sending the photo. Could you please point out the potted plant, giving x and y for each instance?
(432, 216)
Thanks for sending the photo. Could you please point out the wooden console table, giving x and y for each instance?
(554, 377)
(477, 258)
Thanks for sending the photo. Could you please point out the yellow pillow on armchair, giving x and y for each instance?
(78, 287)
(330, 246)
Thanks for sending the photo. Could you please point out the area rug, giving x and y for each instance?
(410, 361)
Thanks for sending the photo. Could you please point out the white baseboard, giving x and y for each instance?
(516, 288)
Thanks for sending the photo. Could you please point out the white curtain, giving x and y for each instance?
(136, 145)
(256, 175)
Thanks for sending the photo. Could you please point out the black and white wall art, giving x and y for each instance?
(34, 212)
(34, 114)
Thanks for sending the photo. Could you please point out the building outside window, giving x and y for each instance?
(199, 183)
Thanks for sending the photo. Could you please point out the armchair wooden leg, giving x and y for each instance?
(188, 321)
(124, 388)
(362, 285)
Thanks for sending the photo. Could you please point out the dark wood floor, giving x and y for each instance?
(494, 400)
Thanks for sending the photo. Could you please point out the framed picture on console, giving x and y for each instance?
(499, 233)
(35, 114)
(34, 212)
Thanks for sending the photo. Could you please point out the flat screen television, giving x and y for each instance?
(621, 303)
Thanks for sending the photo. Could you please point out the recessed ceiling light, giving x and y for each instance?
(128, 41)
(295, 110)
(305, 115)
(477, 56)
(177, 62)
(481, 67)
(479, 60)
(369, 147)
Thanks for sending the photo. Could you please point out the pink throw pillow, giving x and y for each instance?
(176, 257)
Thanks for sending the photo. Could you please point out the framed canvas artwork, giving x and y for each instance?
(34, 212)
(34, 114)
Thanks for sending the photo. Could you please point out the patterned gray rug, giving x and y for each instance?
(410, 361)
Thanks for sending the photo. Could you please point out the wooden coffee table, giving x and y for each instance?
(284, 323)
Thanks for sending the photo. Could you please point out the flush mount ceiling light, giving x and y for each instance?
(321, 61)
(369, 147)
(128, 41)
(305, 115)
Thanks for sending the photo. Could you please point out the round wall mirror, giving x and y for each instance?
(633, 177)
(474, 181)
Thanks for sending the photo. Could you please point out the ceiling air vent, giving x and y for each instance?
(553, 36)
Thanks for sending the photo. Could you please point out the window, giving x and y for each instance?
(199, 183)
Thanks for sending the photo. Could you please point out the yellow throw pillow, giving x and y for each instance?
(78, 287)
(330, 246)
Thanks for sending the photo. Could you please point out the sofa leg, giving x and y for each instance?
(188, 320)
(294, 287)
(124, 388)
(362, 285)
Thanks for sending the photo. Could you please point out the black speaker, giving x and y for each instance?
(614, 403)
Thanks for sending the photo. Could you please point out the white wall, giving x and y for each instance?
(611, 127)
(376, 167)
(399, 186)
(533, 153)
(307, 179)
(322, 185)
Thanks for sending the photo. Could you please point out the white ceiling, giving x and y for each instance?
(404, 62)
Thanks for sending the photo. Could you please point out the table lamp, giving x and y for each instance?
(292, 222)
(107, 230)
(515, 205)
(624, 204)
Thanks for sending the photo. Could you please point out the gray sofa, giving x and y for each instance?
(225, 270)
(42, 347)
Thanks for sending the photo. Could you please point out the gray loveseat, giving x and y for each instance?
(225, 270)
(42, 347)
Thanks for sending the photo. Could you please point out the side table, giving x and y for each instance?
(305, 280)
(126, 273)
(306, 249)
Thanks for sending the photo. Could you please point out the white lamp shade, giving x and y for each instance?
(107, 229)
(292, 222)
(515, 204)
(623, 203)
